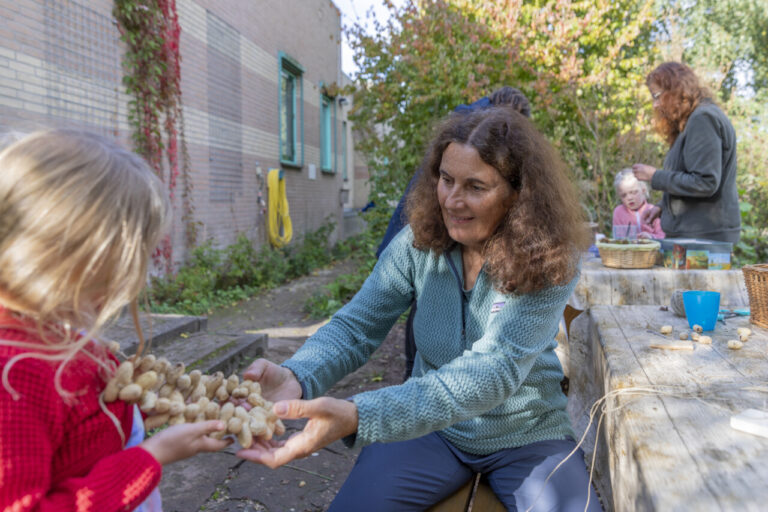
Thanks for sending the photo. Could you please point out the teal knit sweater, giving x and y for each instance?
(486, 375)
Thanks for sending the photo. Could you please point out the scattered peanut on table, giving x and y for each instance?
(743, 333)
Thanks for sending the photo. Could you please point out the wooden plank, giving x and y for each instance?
(458, 501)
(664, 285)
(667, 452)
(484, 499)
(604, 285)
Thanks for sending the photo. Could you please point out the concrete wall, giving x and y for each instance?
(60, 66)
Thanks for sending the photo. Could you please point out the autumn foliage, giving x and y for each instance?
(582, 64)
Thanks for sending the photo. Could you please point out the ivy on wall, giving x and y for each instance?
(151, 32)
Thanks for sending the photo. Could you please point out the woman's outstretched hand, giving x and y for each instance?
(277, 383)
(330, 419)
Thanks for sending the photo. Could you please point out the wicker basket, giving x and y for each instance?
(629, 255)
(756, 279)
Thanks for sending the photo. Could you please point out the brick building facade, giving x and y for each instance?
(253, 78)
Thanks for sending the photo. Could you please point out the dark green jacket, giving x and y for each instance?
(699, 179)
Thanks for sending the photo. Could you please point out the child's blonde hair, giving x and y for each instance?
(79, 219)
(628, 176)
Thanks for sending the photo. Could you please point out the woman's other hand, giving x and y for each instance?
(183, 441)
(650, 215)
(643, 172)
(277, 382)
(330, 419)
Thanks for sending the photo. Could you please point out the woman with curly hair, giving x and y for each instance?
(699, 173)
(490, 256)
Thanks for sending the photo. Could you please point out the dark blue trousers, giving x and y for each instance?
(414, 475)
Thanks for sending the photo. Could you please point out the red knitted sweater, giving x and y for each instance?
(59, 456)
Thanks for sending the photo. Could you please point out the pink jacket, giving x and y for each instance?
(623, 216)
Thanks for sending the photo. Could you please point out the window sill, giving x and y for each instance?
(291, 165)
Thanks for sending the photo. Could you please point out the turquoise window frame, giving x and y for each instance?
(327, 134)
(289, 67)
(344, 156)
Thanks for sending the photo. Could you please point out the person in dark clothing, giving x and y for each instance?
(504, 96)
(699, 173)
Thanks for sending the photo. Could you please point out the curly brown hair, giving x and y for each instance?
(511, 96)
(681, 94)
(538, 241)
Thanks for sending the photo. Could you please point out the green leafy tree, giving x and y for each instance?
(580, 63)
(726, 43)
(726, 40)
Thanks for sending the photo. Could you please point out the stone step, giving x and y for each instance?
(161, 328)
(209, 353)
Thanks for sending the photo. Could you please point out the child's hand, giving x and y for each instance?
(183, 441)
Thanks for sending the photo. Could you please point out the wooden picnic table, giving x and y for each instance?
(675, 449)
(599, 284)
(604, 285)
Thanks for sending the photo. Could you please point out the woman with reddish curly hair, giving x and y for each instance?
(490, 257)
(699, 173)
(536, 240)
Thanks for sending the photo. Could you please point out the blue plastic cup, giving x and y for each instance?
(701, 307)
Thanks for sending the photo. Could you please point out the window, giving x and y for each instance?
(291, 112)
(344, 157)
(327, 132)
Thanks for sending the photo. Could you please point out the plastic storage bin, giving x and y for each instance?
(696, 253)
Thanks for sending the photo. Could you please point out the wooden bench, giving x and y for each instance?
(476, 495)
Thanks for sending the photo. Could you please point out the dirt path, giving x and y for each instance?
(308, 484)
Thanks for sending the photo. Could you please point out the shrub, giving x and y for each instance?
(363, 248)
(214, 277)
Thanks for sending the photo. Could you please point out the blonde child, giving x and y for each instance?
(627, 217)
(79, 217)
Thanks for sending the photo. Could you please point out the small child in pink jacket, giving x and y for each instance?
(627, 216)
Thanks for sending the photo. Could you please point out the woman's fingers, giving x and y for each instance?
(277, 383)
(319, 407)
(294, 409)
(297, 447)
(330, 419)
(256, 370)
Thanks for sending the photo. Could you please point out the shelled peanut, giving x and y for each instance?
(169, 395)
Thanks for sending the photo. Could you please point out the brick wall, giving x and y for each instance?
(60, 66)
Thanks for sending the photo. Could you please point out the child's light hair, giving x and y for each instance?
(628, 176)
(8, 138)
(79, 219)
